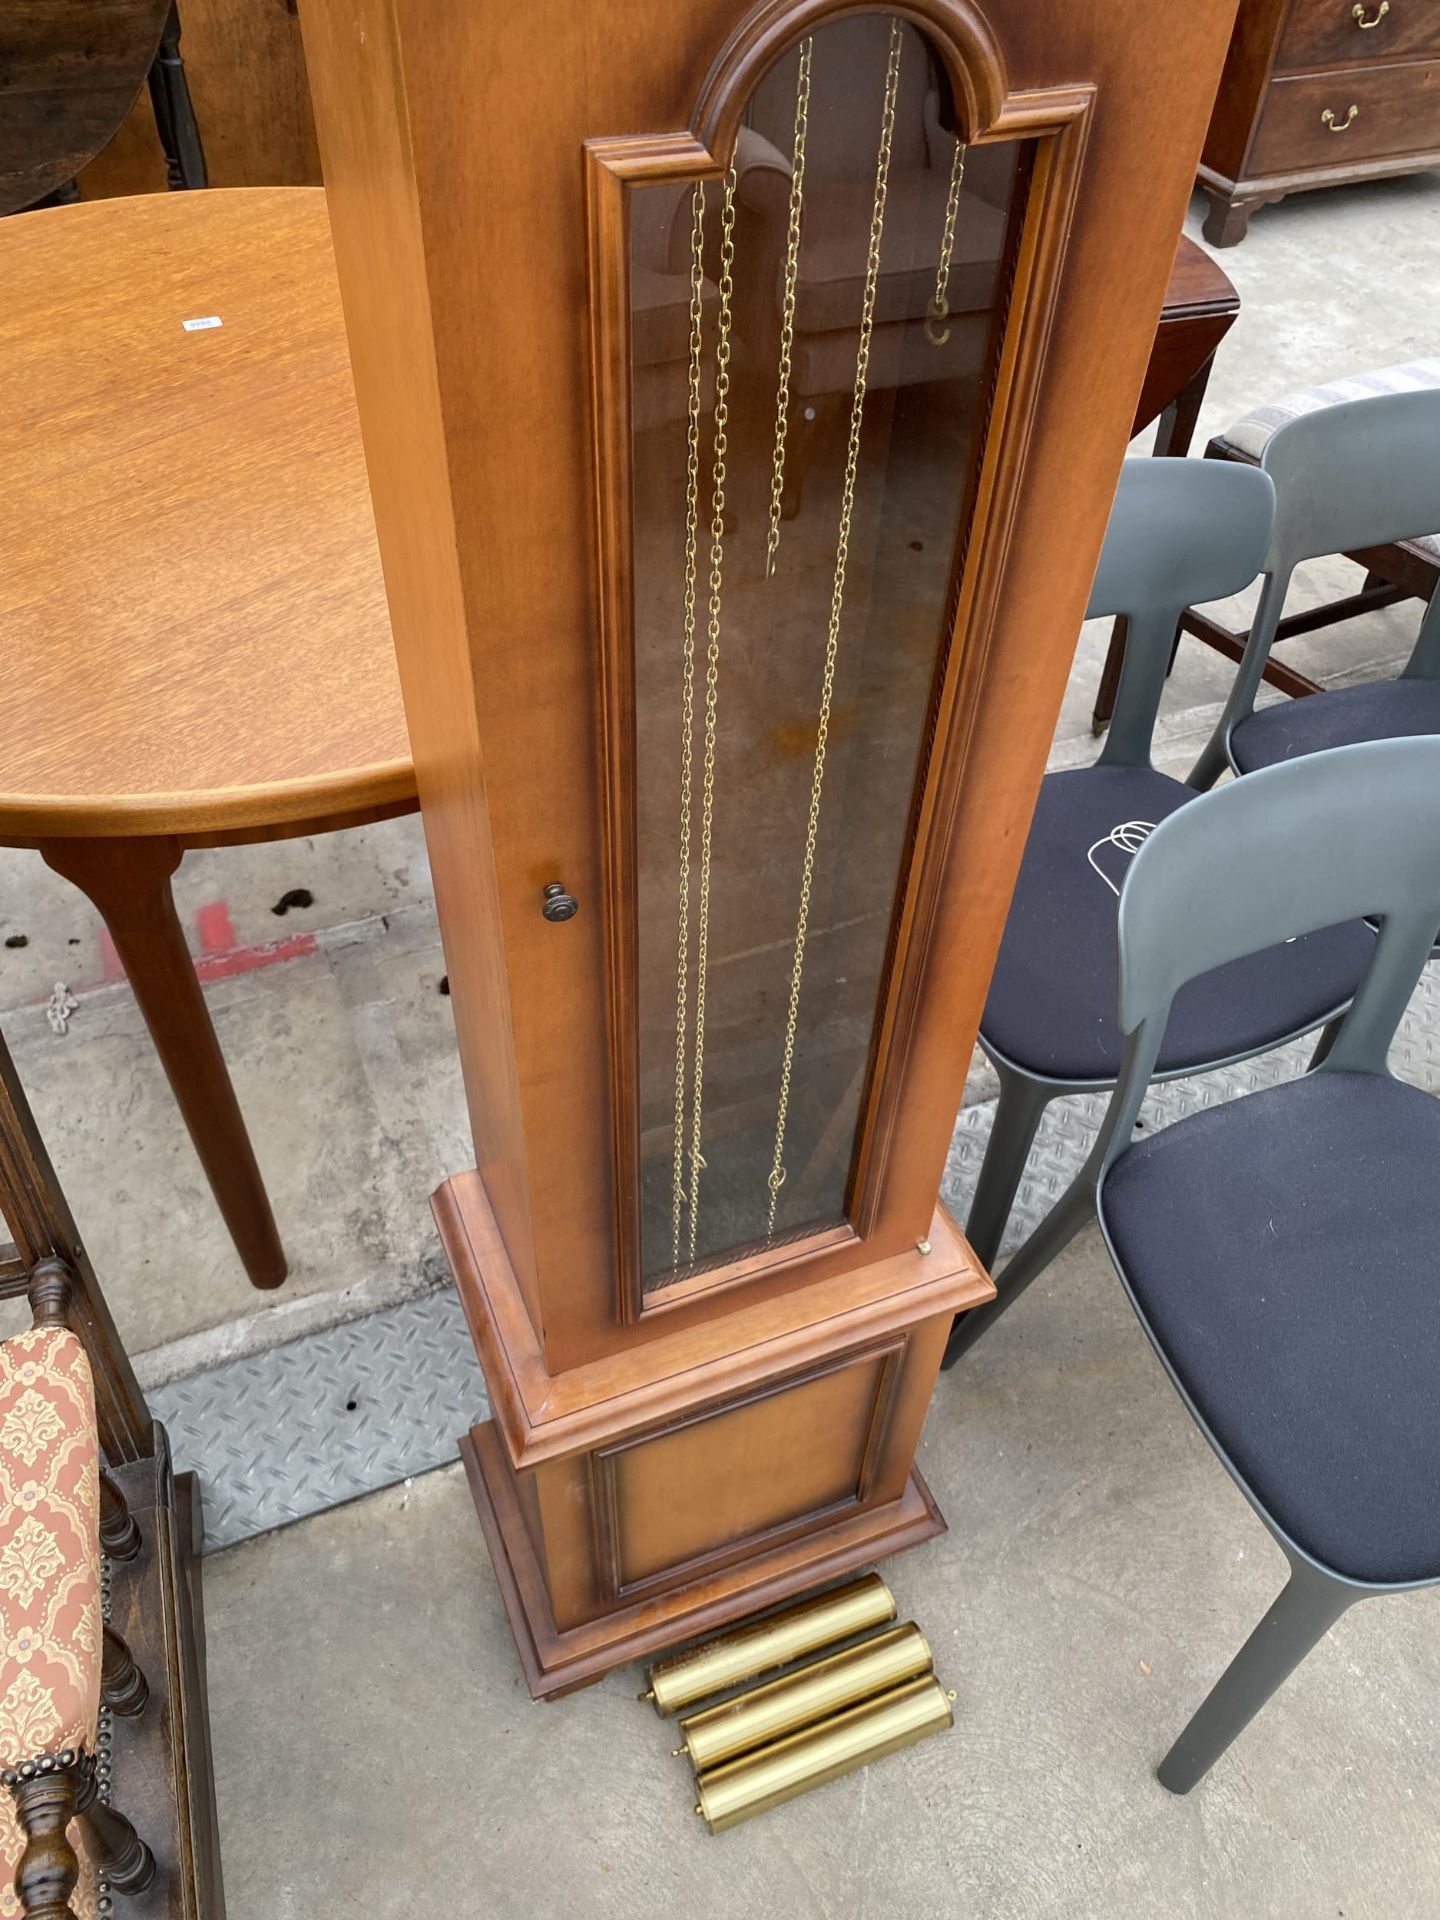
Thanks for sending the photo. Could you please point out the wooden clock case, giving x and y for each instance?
(660, 1461)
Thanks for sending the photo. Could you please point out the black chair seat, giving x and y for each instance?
(1283, 1251)
(1051, 1009)
(1381, 710)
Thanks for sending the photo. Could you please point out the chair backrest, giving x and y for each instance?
(42, 1230)
(70, 71)
(1357, 474)
(1180, 531)
(1360, 473)
(1309, 843)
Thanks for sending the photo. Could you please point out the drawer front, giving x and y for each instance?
(1330, 32)
(1375, 113)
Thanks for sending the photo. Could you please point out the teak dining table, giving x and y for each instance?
(196, 648)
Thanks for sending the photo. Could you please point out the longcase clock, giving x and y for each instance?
(743, 390)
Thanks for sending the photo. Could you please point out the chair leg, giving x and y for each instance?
(45, 1794)
(175, 112)
(119, 1532)
(1054, 1233)
(123, 1857)
(123, 1687)
(1301, 1615)
(1017, 1115)
(129, 882)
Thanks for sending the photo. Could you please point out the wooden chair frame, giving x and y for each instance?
(153, 1675)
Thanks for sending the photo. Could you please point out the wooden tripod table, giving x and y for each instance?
(196, 648)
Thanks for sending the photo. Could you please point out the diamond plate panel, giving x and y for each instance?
(339, 1413)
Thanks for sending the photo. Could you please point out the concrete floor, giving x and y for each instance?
(374, 1742)
(378, 1752)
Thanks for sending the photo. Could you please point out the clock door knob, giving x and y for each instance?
(557, 904)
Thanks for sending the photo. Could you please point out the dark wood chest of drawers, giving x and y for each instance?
(1316, 92)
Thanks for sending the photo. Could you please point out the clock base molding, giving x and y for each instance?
(705, 1473)
(556, 1663)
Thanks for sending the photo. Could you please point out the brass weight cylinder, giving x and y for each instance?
(770, 1643)
(853, 1738)
(800, 1699)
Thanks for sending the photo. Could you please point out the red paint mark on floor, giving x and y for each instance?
(216, 928)
(220, 957)
(221, 966)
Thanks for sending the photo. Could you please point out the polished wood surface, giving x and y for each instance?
(128, 882)
(196, 639)
(70, 71)
(197, 648)
(1391, 104)
(488, 388)
(1325, 33)
(246, 69)
(1200, 308)
(1292, 62)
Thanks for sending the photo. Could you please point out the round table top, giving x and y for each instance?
(195, 635)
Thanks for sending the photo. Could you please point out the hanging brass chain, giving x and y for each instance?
(837, 601)
(787, 304)
(687, 701)
(938, 312)
(712, 678)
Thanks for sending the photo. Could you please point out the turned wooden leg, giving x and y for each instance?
(175, 112)
(49, 1289)
(119, 1533)
(129, 882)
(122, 1856)
(45, 1793)
(123, 1687)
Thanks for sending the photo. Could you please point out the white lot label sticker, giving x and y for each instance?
(199, 326)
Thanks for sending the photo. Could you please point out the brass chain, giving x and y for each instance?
(837, 601)
(712, 677)
(687, 703)
(938, 312)
(787, 304)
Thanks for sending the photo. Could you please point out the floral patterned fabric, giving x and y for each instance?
(49, 1547)
(49, 1571)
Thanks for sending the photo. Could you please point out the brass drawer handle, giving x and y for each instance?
(1357, 14)
(1327, 119)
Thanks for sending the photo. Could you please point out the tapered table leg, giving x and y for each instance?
(128, 880)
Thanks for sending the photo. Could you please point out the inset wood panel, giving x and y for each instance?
(798, 1451)
(1395, 110)
(1321, 33)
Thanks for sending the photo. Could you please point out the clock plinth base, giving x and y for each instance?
(671, 1486)
(556, 1662)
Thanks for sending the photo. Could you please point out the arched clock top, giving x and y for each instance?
(957, 30)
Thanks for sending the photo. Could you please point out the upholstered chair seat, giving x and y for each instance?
(50, 1613)
(1249, 434)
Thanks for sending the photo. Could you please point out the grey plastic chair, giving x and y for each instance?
(1280, 1250)
(1364, 473)
(1180, 531)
